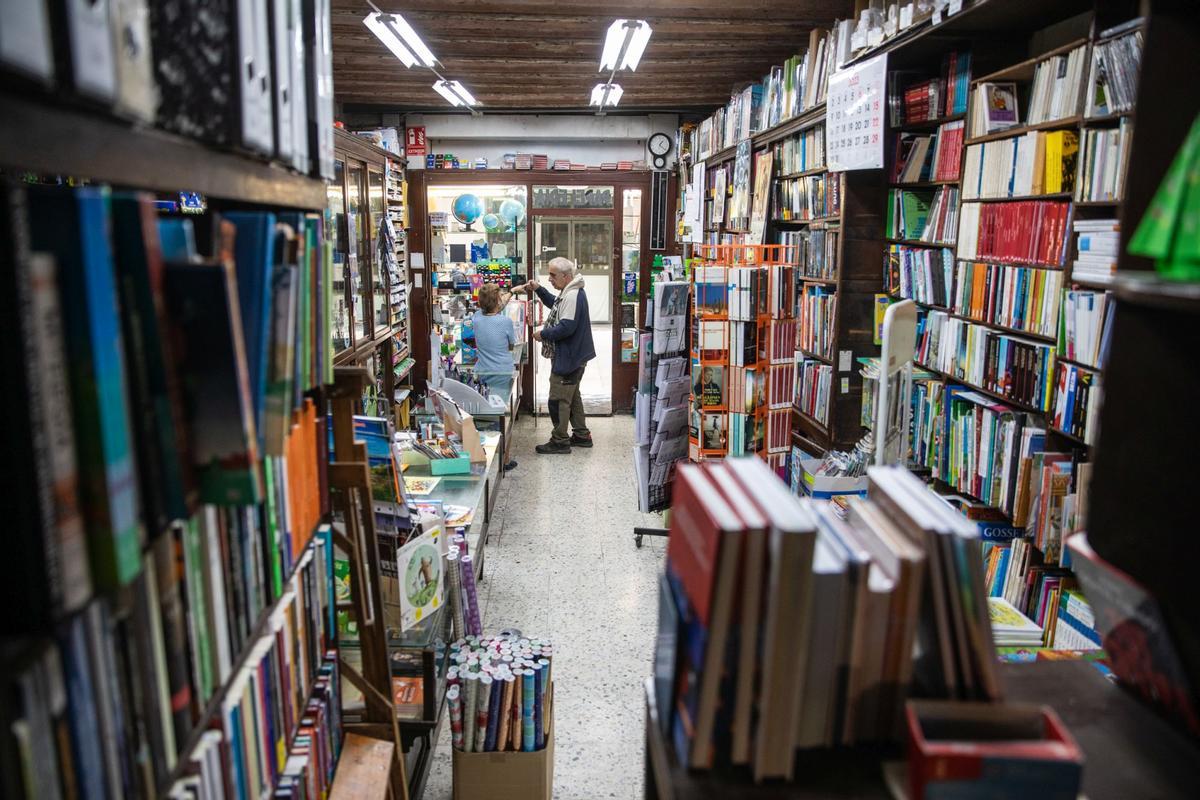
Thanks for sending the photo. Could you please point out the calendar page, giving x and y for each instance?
(854, 116)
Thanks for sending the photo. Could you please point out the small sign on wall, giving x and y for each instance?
(414, 141)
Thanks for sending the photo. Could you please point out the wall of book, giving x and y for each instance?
(168, 452)
(1013, 312)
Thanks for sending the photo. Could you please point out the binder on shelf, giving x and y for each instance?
(137, 93)
(85, 47)
(25, 42)
(283, 91)
(254, 77)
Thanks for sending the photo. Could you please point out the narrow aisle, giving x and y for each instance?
(561, 564)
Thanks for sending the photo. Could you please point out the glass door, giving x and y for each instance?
(588, 241)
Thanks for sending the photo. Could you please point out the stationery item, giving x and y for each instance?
(467, 575)
(493, 714)
(454, 702)
(484, 700)
(470, 704)
(420, 487)
(528, 693)
(454, 587)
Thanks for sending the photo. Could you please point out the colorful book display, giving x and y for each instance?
(747, 562)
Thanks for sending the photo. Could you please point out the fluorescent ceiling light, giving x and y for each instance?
(378, 25)
(606, 94)
(455, 93)
(395, 32)
(624, 44)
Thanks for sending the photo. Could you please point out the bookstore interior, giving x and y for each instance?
(766, 400)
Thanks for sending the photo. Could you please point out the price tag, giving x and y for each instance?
(845, 386)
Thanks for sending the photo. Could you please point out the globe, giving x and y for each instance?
(492, 223)
(512, 212)
(467, 208)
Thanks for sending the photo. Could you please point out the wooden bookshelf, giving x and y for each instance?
(49, 138)
(1017, 130)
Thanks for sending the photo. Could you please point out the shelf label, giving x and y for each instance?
(845, 386)
(854, 116)
(845, 359)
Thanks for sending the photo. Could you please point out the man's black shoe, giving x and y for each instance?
(579, 441)
(511, 465)
(553, 448)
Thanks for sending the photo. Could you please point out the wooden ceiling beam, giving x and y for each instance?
(649, 10)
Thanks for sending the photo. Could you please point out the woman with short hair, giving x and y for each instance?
(494, 340)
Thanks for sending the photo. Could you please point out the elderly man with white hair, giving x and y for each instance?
(567, 341)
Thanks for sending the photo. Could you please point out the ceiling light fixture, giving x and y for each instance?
(399, 37)
(385, 30)
(455, 93)
(606, 94)
(624, 44)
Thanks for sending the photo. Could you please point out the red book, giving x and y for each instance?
(700, 520)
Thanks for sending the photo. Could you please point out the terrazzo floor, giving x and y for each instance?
(561, 564)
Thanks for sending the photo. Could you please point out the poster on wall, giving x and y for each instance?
(856, 104)
(762, 197)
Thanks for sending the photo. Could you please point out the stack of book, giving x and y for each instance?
(907, 213)
(193, 512)
(924, 274)
(800, 153)
(1057, 82)
(813, 250)
(784, 627)
(1025, 232)
(1039, 162)
(941, 226)
(1086, 317)
(806, 198)
(1105, 157)
(929, 157)
(1113, 80)
(813, 381)
(1022, 298)
(1097, 242)
(1011, 628)
(1076, 401)
(943, 96)
(818, 310)
(1015, 368)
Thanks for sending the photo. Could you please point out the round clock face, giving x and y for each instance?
(659, 162)
(659, 144)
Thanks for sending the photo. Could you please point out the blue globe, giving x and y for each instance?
(492, 223)
(512, 212)
(467, 208)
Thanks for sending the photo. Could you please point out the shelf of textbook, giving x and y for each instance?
(801, 174)
(996, 395)
(203, 722)
(923, 184)
(812, 221)
(811, 419)
(997, 326)
(47, 138)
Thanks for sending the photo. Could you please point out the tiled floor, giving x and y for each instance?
(561, 564)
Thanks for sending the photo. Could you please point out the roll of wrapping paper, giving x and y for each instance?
(539, 699)
(460, 540)
(544, 674)
(493, 721)
(515, 734)
(504, 721)
(483, 698)
(474, 624)
(528, 693)
(470, 700)
(454, 701)
(456, 622)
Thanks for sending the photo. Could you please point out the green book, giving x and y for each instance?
(197, 611)
(1170, 231)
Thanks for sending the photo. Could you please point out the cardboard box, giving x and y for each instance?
(509, 775)
(823, 487)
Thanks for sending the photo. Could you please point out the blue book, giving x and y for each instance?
(254, 257)
(81, 703)
(177, 239)
(74, 226)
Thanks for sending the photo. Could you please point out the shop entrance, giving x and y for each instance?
(588, 241)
